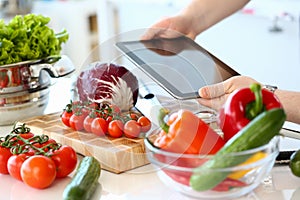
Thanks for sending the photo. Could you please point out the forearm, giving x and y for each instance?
(206, 13)
(291, 104)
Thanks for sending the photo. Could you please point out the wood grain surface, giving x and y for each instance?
(116, 155)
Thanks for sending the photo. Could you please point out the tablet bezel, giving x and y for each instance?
(147, 69)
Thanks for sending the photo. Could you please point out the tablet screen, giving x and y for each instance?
(178, 65)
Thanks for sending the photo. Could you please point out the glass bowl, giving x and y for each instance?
(175, 169)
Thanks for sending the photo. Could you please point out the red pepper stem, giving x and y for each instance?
(161, 119)
(258, 102)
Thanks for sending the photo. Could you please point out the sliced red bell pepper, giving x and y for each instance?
(186, 133)
(242, 106)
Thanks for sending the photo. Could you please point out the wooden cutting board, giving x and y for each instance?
(116, 155)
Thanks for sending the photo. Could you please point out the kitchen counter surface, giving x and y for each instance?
(143, 182)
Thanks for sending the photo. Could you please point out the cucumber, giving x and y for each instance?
(84, 181)
(257, 132)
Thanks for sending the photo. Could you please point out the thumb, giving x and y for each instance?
(212, 91)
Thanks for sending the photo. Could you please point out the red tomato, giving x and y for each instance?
(76, 122)
(38, 171)
(132, 129)
(93, 106)
(47, 143)
(85, 111)
(26, 135)
(145, 124)
(87, 123)
(134, 116)
(14, 165)
(115, 109)
(65, 117)
(109, 119)
(23, 131)
(99, 126)
(115, 128)
(65, 159)
(76, 106)
(5, 154)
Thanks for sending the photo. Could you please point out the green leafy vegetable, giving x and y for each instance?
(28, 38)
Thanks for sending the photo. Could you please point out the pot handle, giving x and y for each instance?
(54, 65)
(51, 59)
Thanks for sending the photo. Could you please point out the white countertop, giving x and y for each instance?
(141, 183)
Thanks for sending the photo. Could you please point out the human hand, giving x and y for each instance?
(214, 96)
(170, 27)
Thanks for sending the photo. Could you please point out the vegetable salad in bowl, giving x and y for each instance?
(194, 159)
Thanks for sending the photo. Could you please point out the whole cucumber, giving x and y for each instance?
(256, 133)
(84, 181)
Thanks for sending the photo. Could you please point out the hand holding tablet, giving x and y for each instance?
(178, 65)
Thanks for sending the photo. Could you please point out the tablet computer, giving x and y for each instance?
(178, 65)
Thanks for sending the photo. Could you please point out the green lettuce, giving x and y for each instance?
(29, 38)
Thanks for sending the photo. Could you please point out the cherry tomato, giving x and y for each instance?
(65, 117)
(23, 131)
(65, 159)
(47, 143)
(87, 123)
(93, 105)
(85, 111)
(115, 128)
(99, 126)
(109, 119)
(24, 136)
(145, 124)
(38, 171)
(5, 154)
(76, 122)
(134, 116)
(132, 129)
(76, 106)
(14, 165)
(115, 109)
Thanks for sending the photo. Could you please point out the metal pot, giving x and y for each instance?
(31, 75)
(22, 105)
(24, 86)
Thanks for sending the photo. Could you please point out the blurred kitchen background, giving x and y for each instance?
(262, 40)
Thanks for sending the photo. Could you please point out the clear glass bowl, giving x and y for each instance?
(175, 169)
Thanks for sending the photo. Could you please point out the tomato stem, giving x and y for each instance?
(12, 141)
(20, 129)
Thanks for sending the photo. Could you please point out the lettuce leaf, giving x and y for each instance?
(29, 38)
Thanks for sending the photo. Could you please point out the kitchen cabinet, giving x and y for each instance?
(79, 18)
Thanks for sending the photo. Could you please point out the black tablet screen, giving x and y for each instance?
(179, 65)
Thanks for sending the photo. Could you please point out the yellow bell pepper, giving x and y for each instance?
(239, 174)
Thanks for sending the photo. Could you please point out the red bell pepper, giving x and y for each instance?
(242, 106)
(186, 133)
